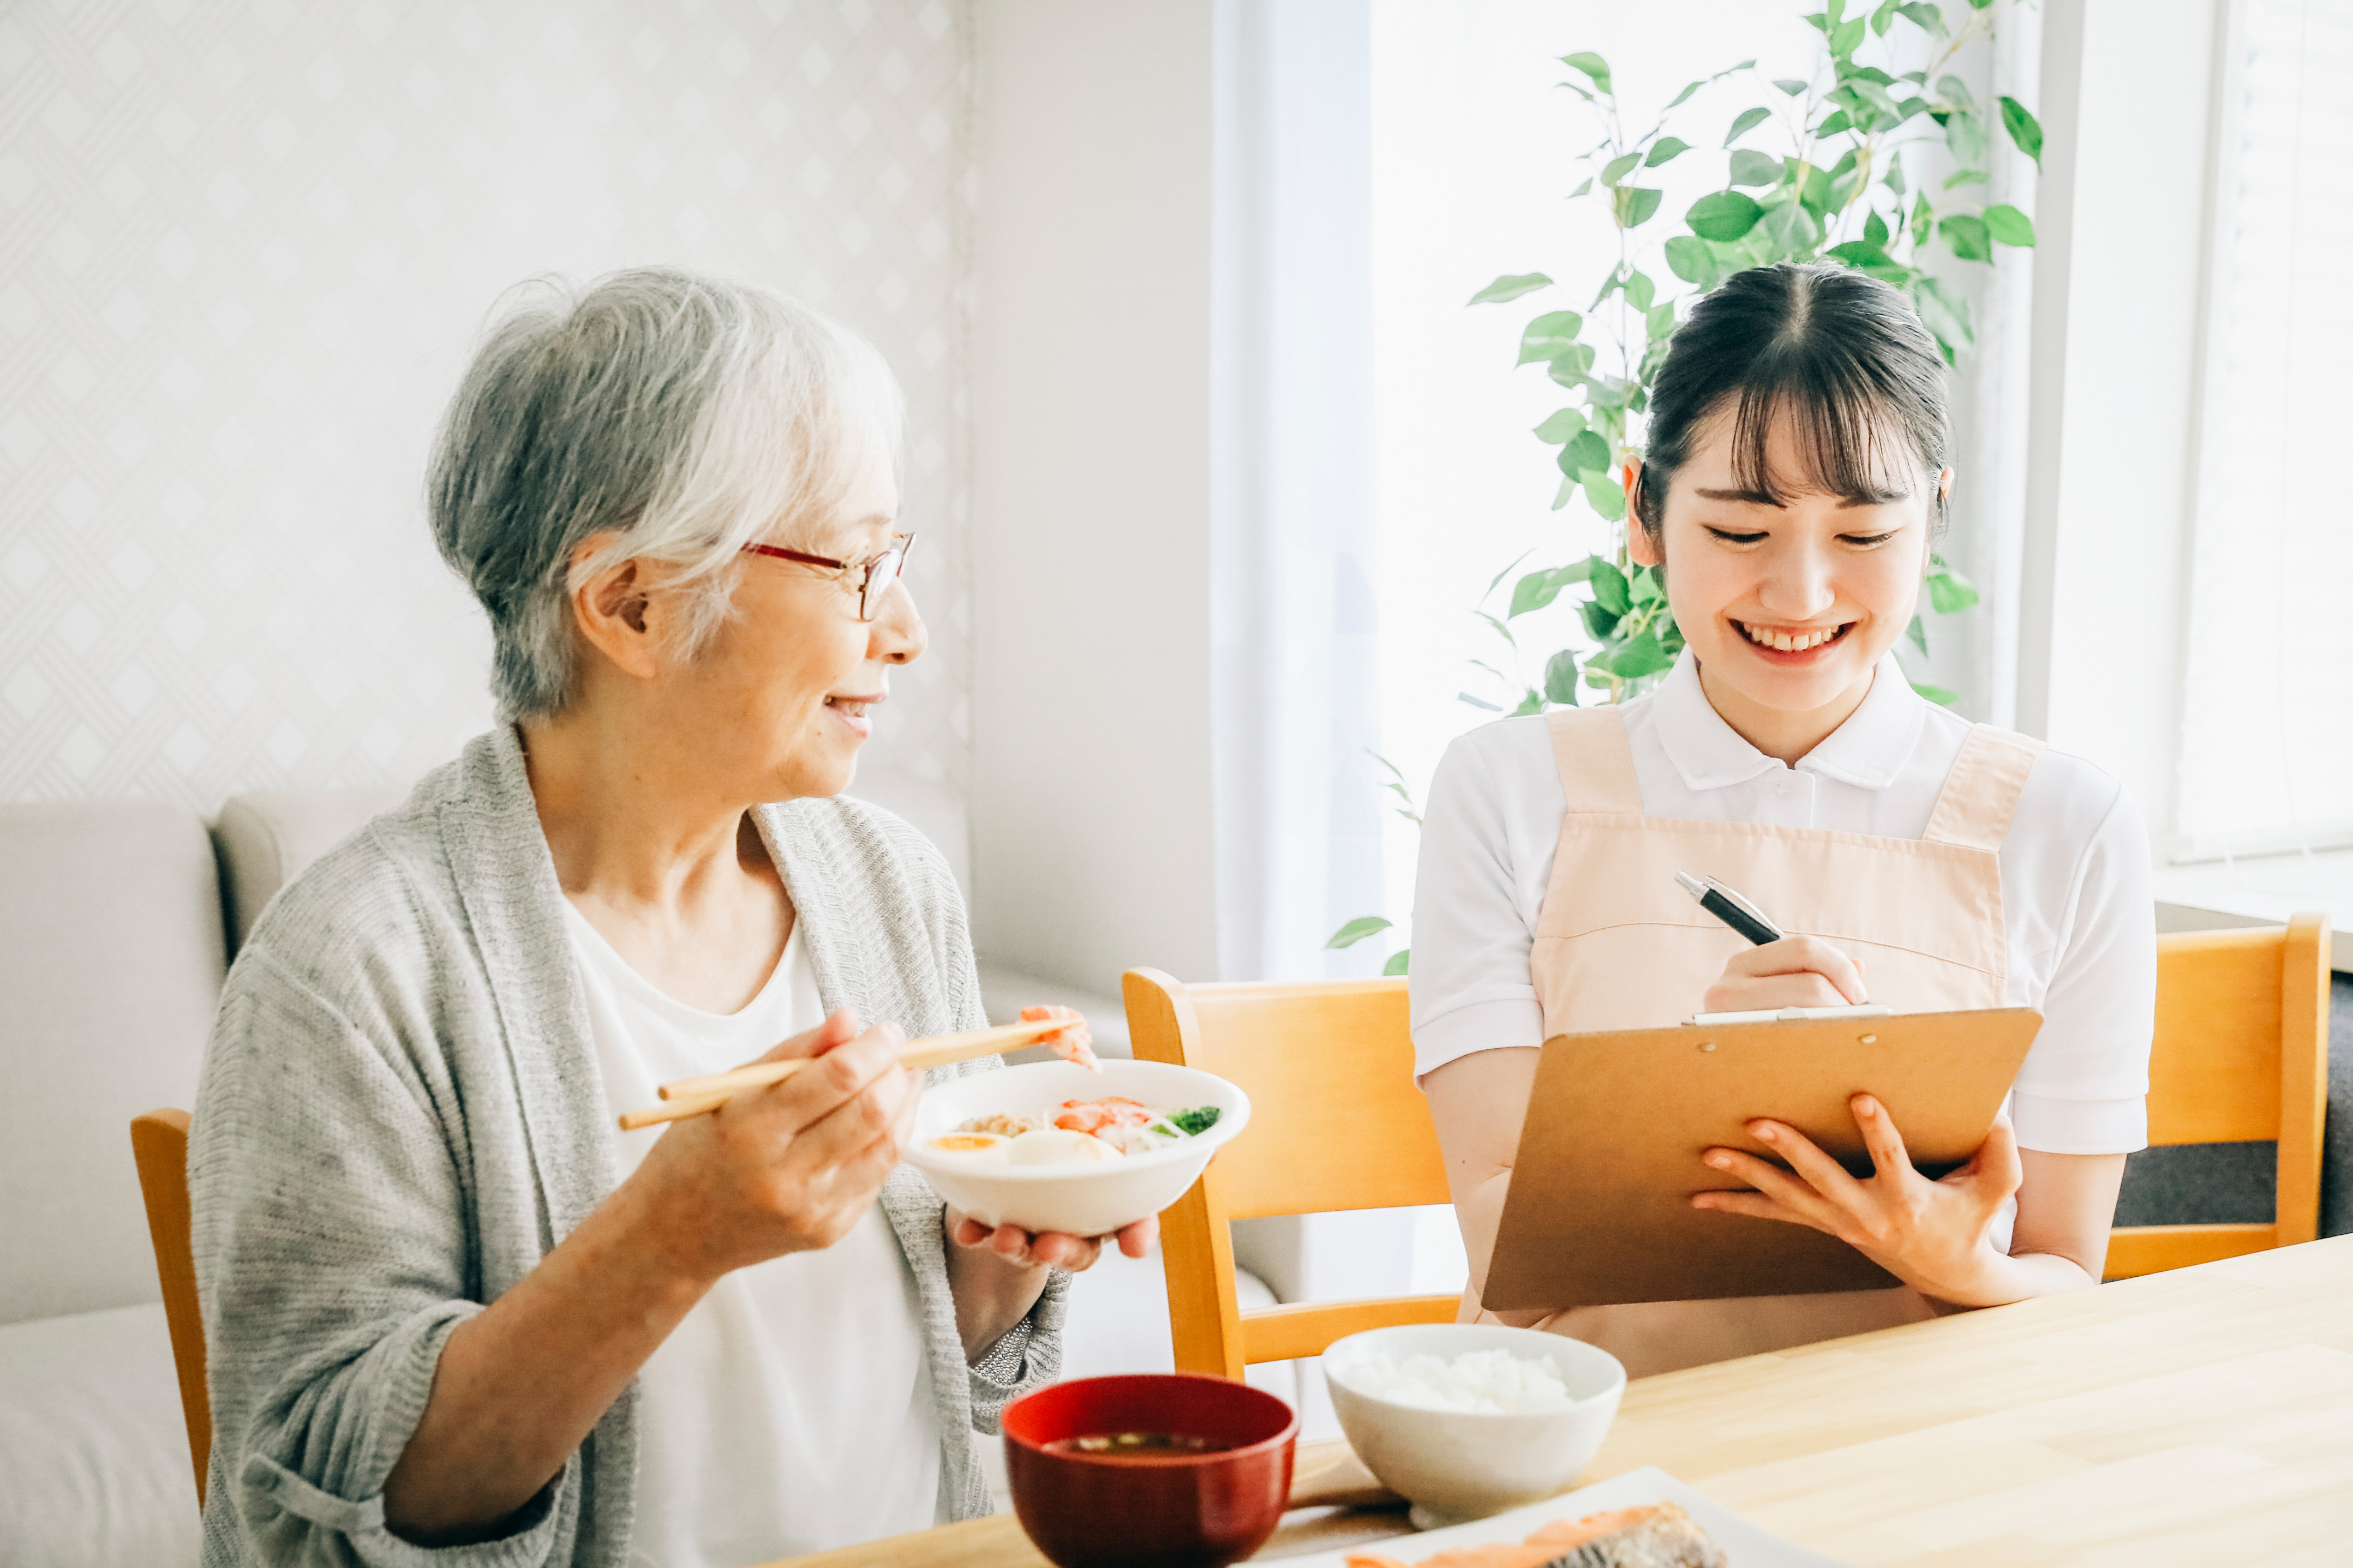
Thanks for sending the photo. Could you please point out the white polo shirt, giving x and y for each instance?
(2075, 892)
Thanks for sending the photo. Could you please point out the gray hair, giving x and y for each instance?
(686, 415)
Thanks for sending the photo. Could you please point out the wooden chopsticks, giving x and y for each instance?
(701, 1096)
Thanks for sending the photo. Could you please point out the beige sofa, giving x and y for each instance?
(117, 921)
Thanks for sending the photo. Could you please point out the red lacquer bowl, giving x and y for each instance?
(1168, 1511)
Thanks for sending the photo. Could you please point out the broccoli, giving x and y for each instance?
(1193, 1122)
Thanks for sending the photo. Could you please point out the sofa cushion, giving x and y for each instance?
(269, 837)
(110, 959)
(94, 1469)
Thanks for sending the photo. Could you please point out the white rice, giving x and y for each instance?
(1475, 1380)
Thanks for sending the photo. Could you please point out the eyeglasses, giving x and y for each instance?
(874, 575)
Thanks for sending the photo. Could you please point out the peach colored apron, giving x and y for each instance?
(1619, 945)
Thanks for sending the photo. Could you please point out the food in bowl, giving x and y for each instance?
(1076, 1132)
(1474, 1380)
(1660, 1536)
(1148, 1471)
(988, 1146)
(1460, 1419)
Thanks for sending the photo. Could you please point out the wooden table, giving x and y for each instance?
(2202, 1416)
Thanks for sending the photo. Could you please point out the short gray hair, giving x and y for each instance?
(688, 415)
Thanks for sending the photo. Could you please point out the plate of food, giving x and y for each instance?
(1643, 1518)
(1063, 1146)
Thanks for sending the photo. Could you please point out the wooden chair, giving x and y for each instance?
(159, 1142)
(2241, 1055)
(1335, 1123)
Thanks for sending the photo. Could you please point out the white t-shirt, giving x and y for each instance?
(791, 1410)
(2076, 891)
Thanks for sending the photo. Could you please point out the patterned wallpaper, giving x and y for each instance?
(244, 245)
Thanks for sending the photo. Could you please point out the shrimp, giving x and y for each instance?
(1094, 1115)
(1075, 1044)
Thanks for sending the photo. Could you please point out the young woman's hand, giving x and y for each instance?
(788, 1168)
(1794, 971)
(1936, 1236)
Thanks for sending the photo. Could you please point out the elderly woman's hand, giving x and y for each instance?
(792, 1167)
(1055, 1248)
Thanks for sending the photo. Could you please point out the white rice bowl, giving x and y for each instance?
(1092, 1199)
(1467, 1419)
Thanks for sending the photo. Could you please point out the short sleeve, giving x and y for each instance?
(1486, 846)
(2085, 1086)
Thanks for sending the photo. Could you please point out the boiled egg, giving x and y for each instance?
(987, 1147)
(1055, 1146)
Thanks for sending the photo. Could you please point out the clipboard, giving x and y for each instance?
(1598, 1210)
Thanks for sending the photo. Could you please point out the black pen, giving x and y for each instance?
(1729, 907)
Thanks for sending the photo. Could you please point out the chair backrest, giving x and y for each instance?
(1335, 1123)
(2241, 1055)
(159, 1142)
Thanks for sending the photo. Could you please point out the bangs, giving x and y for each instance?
(1846, 437)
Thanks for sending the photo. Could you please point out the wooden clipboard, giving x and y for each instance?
(1599, 1207)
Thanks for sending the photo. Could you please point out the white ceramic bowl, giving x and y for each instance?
(1459, 1464)
(1084, 1200)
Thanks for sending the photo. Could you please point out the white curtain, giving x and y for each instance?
(1295, 695)
(2266, 754)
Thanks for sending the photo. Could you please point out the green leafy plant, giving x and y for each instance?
(1821, 169)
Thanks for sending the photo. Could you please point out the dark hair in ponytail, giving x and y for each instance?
(1842, 355)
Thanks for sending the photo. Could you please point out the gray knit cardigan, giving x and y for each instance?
(401, 1114)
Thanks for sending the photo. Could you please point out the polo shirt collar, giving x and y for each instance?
(1868, 750)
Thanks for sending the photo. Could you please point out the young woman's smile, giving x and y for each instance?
(1788, 595)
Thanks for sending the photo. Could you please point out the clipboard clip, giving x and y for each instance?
(1789, 1016)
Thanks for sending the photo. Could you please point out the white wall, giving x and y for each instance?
(1090, 788)
(2118, 313)
(244, 249)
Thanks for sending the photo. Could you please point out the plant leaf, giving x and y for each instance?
(1965, 233)
(1478, 702)
(1724, 215)
(1604, 494)
(1946, 313)
(1510, 286)
(1357, 930)
(1883, 18)
(1592, 65)
(1832, 125)
(1744, 122)
(1750, 167)
(1585, 451)
(1537, 589)
(1660, 324)
(1790, 232)
(1560, 678)
(1950, 593)
(1567, 493)
(1610, 590)
(1666, 147)
(1789, 85)
(1646, 587)
(1549, 336)
(1874, 230)
(1690, 259)
(1638, 656)
(1636, 204)
(1397, 963)
(1964, 134)
(1953, 90)
(2023, 128)
(1929, 19)
(1943, 697)
(2007, 226)
(1918, 633)
(1960, 177)
(1615, 169)
(1583, 187)
(1639, 290)
(1498, 577)
(1558, 428)
(1568, 366)
(1601, 621)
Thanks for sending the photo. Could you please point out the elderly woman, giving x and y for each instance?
(452, 1316)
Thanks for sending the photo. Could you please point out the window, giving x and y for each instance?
(2267, 734)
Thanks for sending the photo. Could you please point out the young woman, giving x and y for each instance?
(1797, 477)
